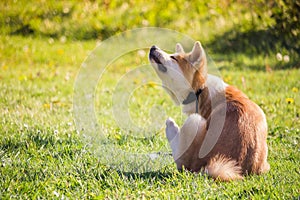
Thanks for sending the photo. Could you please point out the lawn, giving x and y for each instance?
(44, 155)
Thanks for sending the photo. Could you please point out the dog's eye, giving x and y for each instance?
(173, 58)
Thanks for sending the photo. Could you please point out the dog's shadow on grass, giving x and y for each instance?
(154, 175)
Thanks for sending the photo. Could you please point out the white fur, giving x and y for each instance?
(215, 85)
(223, 168)
(181, 139)
(173, 80)
(179, 48)
(197, 54)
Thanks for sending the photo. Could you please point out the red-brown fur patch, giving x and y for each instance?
(197, 79)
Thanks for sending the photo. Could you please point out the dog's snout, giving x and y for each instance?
(153, 48)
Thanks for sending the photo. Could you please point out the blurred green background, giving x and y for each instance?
(254, 44)
(230, 26)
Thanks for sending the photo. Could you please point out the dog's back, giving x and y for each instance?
(243, 138)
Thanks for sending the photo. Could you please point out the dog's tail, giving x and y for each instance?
(224, 169)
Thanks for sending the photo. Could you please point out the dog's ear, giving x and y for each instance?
(179, 48)
(197, 56)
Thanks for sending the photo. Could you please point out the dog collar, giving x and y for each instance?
(193, 96)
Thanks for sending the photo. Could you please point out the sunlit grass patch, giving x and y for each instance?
(42, 154)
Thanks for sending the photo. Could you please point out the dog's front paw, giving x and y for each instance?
(171, 129)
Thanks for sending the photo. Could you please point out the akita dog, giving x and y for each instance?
(225, 132)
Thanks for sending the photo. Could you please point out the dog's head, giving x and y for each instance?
(181, 73)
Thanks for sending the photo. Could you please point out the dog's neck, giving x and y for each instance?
(193, 96)
(197, 102)
(213, 91)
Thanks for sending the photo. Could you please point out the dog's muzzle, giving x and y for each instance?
(153, 56)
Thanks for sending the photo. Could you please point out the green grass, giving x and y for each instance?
(42, 154)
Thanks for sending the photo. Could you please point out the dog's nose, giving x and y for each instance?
(153, 48)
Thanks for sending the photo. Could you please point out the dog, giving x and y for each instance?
(225, 132)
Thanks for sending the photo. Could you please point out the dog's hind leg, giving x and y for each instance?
(172, 129)
(186, 142)
(192, 134)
